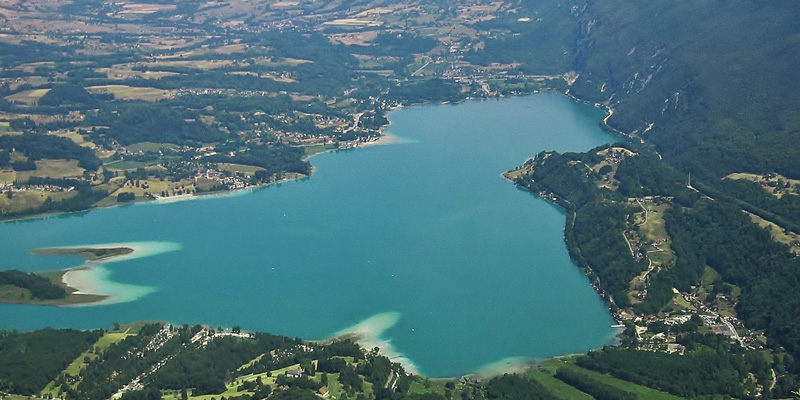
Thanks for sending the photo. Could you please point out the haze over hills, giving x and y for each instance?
(690, 228)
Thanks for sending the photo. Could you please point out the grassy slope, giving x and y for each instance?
(549, 367)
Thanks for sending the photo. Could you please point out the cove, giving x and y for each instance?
(420, 245)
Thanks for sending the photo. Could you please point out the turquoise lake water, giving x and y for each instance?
(423, 240)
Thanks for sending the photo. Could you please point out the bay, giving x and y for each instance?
(420, 244)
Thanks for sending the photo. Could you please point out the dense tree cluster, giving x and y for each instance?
(598, 389)
(85, 197)
(719, 235)
(596, 218)
(712, 365)
(39, 146)
(207, 369)
(153, 123)
(28, 361)
(515, 387)
(646, 175)
(432, 90)
(783, 210)
(397, 44)
(274, 159)
(40, 287)
(68, 94)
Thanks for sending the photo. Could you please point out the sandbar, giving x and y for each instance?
(89, 253)
(368, 332)
(89, 284)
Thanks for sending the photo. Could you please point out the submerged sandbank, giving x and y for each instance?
(368, 333)
(94, 279)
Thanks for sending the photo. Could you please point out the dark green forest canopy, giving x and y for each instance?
(704, 232)
(717, 79)
(40, 287)
(38, 146)
(155, 123)
(28, 361)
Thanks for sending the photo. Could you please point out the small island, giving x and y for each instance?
(89, 253)
(53, 287)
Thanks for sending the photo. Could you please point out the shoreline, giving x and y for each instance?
(385, 138)
(75, 297)
(72, 280)
(85, 284)
(368, 334)
(69, 277)
(604, 122)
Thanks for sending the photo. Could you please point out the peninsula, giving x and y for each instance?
(57, 288)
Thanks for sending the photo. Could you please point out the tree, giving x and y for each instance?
(307, 366)
(125, 197)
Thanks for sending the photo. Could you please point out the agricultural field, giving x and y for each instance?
(652, 231)
(27, 199)
(133, 8)
(779, 234)
(195, 64)
(122, 73)
(27, 97)
(775, 184)
(354, 22)
(146, 187)
(7, 176)
(53, 169)
(75, 137)
(247, 170)
(124, 92)
(150, 146)
(550, 367)
(649, 238)
(556, 386)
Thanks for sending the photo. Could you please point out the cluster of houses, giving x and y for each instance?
(12, 187)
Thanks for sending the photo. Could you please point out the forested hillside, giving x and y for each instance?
(713, 85)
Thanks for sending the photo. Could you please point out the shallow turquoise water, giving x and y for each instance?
(472, 269)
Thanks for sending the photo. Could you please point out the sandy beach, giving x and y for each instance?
(386, 138)
(76, 279)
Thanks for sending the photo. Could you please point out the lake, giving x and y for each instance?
(420, 244)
